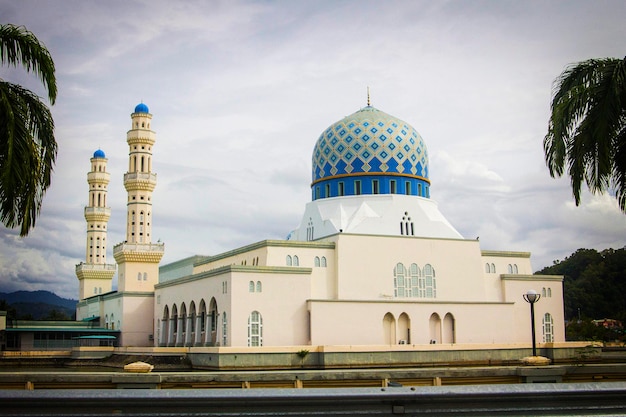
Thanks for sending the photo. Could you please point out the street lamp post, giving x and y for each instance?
(531, 298)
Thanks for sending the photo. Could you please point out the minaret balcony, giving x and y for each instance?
(138, 252)
(97, 214)
(140, 181)
(95, 271)
(98, 177)
(140, 176)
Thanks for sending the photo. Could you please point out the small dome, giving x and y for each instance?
(99, 154)
(141, 108)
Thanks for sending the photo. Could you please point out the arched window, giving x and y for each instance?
(224, 329)
(543, 292)
(145, 276)
(138, 276)
(259, 286)
(251, 286)
(510, 268)
(430, 281)
(106, 321)
(289, 261)
(112, 322)
(515, 271)
(549, 292)
(487, 268)
(548, 327)
(323, 263)
(296, 261)
(493, 268)
(413, 283)
(316, 261)
(399, 281)
(255, 329)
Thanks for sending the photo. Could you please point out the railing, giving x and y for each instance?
(98, 210)
(140, 176)
(139, 247)
(608, 398)
(95, 267)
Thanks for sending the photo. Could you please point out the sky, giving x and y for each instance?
(241, 90)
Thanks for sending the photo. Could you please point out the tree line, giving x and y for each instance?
(594, 287)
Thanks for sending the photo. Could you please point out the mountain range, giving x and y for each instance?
(38, 305)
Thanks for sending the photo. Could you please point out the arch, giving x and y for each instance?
(164, 327)
(106, 321)
(404, 329)
(543, 292)
(399, 280)
(316, 261)
(449, 332)
(296, 261)
(493, 268)
(251, 286)
(289, 260)
(487, 268)
(549, 292)
(202, 312)
(224, 330)
(434, 326)
(192, 323)
(255, 329)
(182, 326)
(509, 268)
(259, 286)
(112, 322)
(430, 282)
(173, 325)
(389, 329)
(515, 270)
(323, 263)
(548, 328)
(212, 322)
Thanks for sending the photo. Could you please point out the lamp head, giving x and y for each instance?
(531, 296)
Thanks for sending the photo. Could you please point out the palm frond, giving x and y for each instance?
(18, 45)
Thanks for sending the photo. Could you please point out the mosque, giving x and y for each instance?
(372, 262)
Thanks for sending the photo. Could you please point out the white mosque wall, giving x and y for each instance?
(366, 266)
(394, 323)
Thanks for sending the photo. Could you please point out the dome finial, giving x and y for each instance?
(368, 96)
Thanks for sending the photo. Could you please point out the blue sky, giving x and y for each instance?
(241, 90)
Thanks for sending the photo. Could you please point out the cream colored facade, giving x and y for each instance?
(372, 262)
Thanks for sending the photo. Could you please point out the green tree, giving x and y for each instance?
(28, 148)
(587, 128)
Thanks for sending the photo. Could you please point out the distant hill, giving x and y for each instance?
(38, 305)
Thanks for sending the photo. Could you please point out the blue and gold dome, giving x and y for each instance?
(370, 152)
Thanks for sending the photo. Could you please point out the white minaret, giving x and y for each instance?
(137, 257)
(95, 275)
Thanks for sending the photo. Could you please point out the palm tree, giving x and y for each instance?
(27, 146)
(587, 129)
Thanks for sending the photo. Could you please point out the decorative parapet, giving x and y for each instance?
(138, 252)
(140, 181)
(95, 214)
(95, 271)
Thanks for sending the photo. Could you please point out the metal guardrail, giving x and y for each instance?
(510, 400)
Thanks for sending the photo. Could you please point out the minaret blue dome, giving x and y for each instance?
(370, 152)
(99, 154)
(141, 108)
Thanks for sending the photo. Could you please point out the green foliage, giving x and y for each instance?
(28, 148)
(587, 128)
(594, 285)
